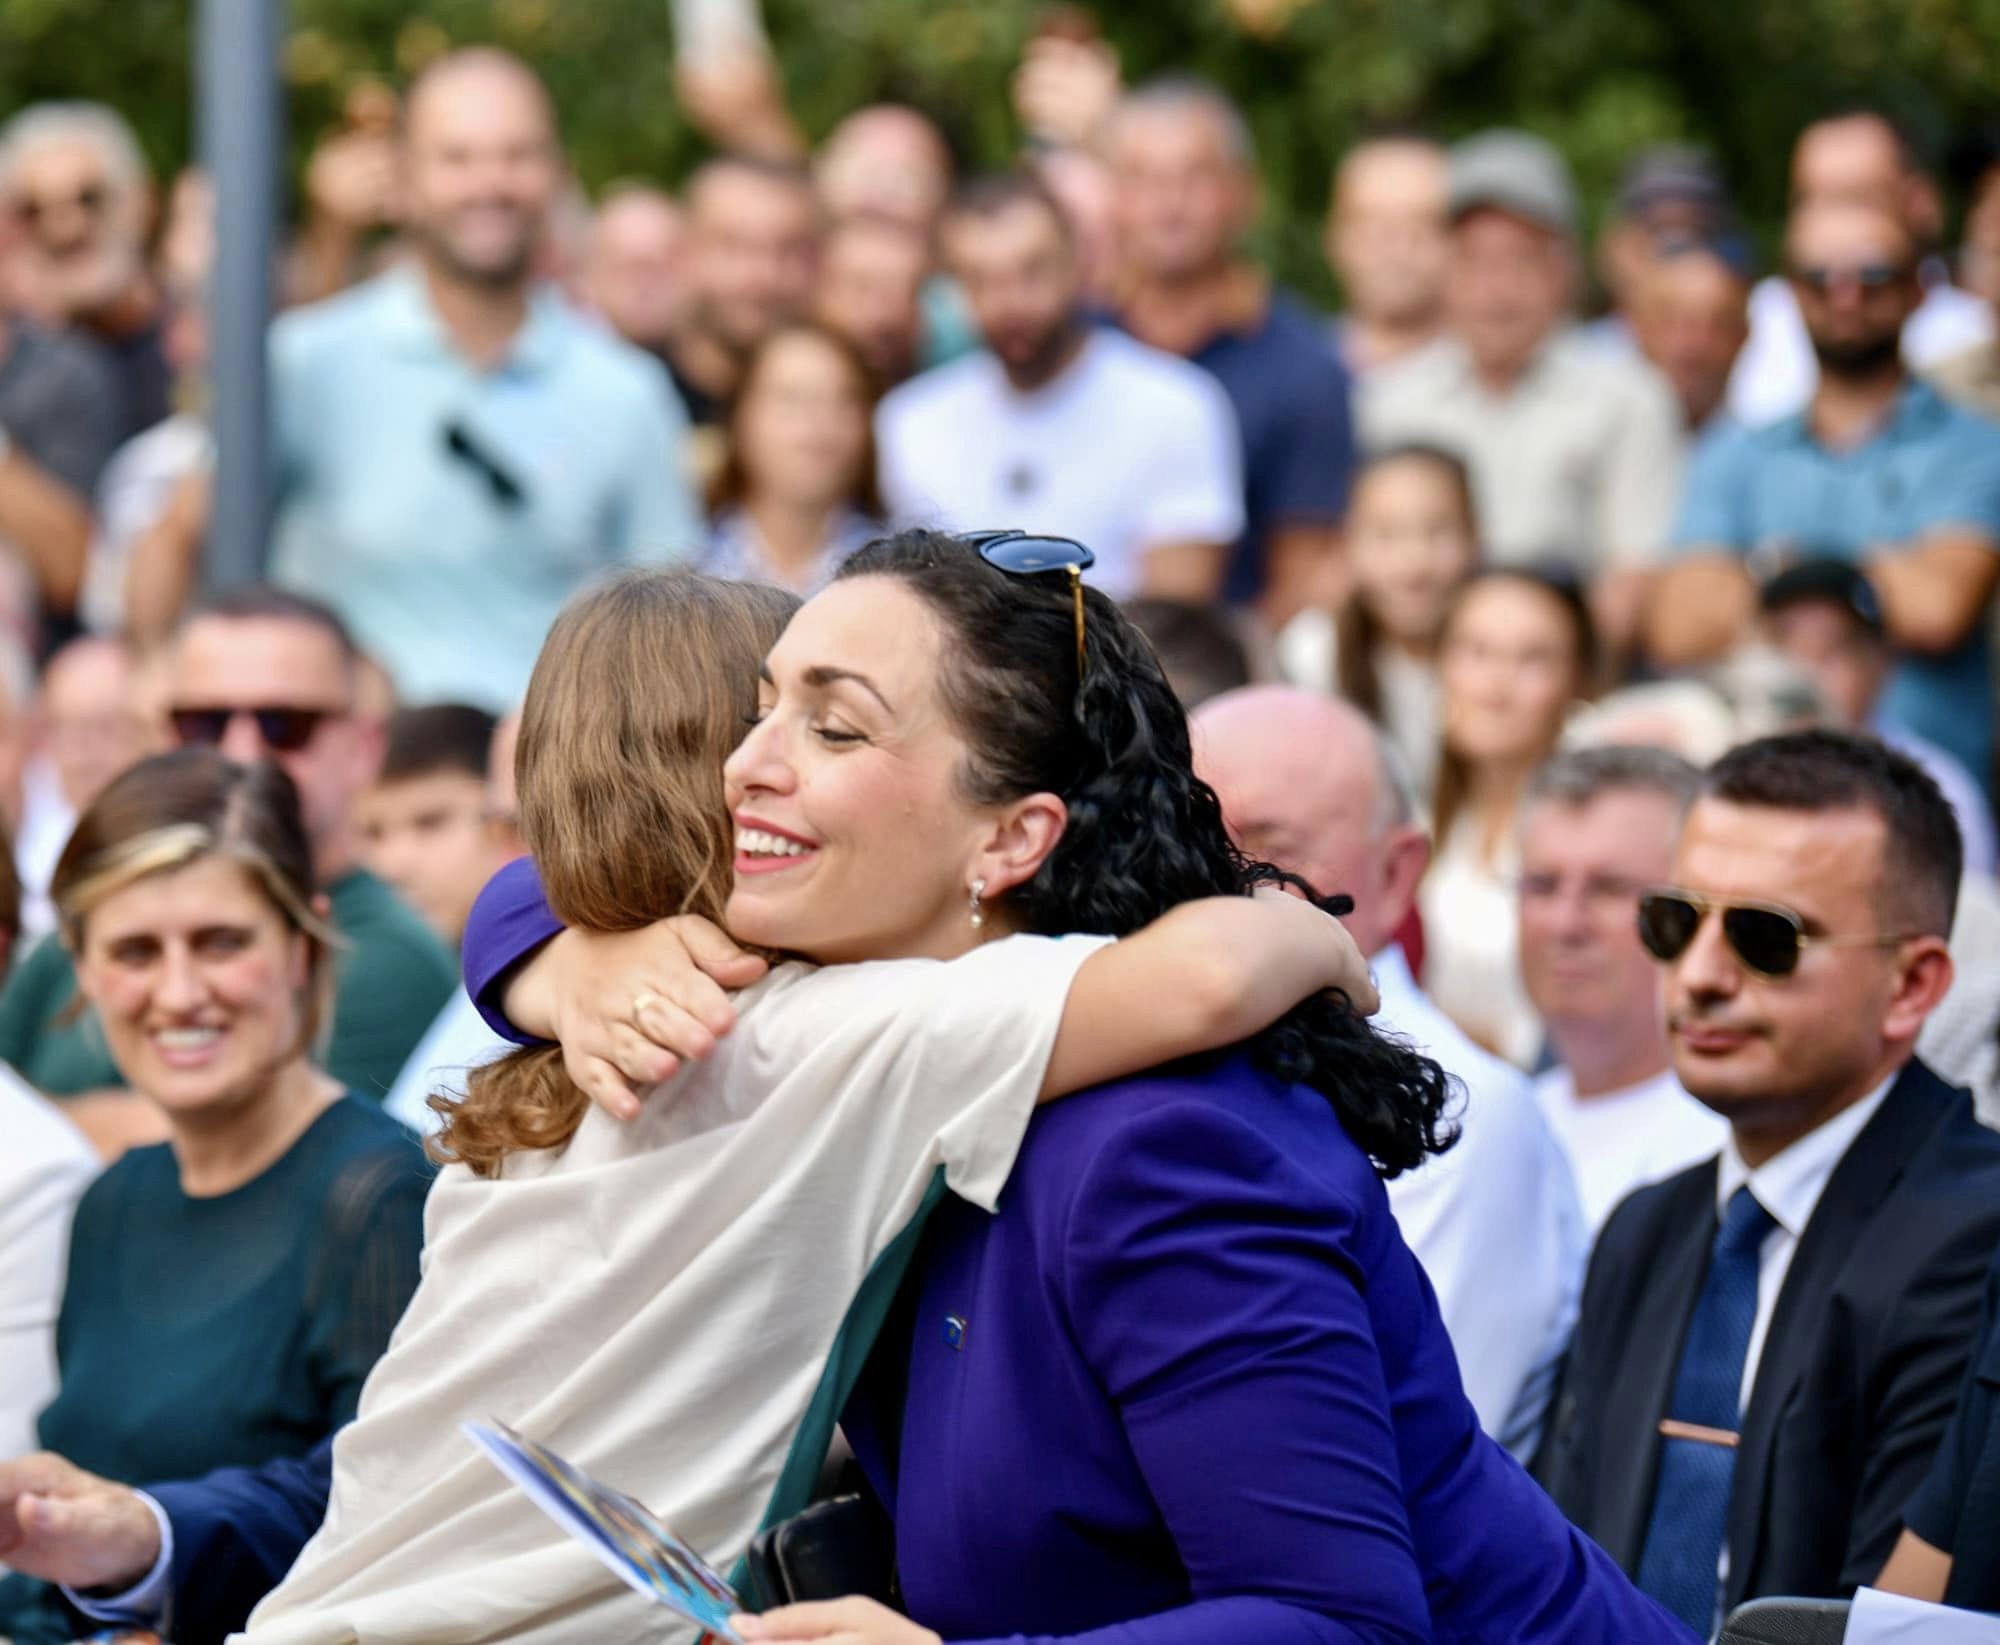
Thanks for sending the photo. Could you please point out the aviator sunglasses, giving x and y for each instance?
(1020, 554)
(1767, 938)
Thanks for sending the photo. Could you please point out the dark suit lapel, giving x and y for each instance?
(1643, 1382)
(1916, 1105)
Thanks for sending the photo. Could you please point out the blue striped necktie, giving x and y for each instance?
(1691, 1500)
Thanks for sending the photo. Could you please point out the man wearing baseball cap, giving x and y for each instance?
(1575, 454)
(1825, 616)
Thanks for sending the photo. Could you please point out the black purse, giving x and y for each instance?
(844, 1545)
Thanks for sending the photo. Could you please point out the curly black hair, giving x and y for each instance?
(1144, 833)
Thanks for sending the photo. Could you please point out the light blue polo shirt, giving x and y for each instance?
(450, 584)
(1931, 465)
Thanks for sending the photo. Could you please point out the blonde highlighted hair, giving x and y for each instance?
(176, 809)
(641, 692)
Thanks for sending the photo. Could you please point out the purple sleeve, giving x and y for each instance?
(509, 922)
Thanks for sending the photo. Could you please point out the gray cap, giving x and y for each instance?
(1514, 172)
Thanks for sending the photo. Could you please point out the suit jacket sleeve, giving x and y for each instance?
(236, 1533)
(1217, 1295)
(509, 921)
(1919, 1372)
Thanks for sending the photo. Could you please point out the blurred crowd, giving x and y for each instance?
(1465, 585)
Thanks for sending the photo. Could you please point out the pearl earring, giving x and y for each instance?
(978, 914)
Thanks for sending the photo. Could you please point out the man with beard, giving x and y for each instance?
(1060, 426)
(459, 450)
(1771, 1341)
(1878, 470)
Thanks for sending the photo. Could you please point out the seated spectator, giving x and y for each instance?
(870, 291)
(1689, 317)
(1575, 454)
(458, 1039)
(88, 728)
(1387, 241)
(261, 675)
(458, 449)
(1770, 1342)
(1597, 829)
(44, 1170)
(1517, 652)
(635, 271)
(1825, 616)
(56, 435)
(1878, 470)
(421, 828)
(753, 231)
(1668, 196)
(1307, 783)
(1184, 196)
(1201, 647)
(1113, 443)
(75, 179)
(292, 1210)
(1857, 156)
(797, 493)
(1411, 539)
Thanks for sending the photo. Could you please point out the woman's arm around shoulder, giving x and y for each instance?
(1204, 976)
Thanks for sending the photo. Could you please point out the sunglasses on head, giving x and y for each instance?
(1020, 554)
(1766, 937)
(282, 730)
(1870, 277)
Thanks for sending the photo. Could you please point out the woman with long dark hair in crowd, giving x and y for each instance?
(681, 1304)
(1412, 537)
(1518, 654)
(1188, 1385)
(797, 492)
(230, 1289)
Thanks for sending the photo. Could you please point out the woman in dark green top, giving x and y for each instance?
(230, 1289)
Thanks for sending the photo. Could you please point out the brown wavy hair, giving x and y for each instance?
(732, 486)
(640, 694)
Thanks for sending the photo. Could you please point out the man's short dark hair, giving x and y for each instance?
(1577, 776)
(1200, 650)
(998, 191)
(248, 602)
(440, 738)
(1822, 770)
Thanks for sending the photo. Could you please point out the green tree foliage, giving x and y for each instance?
(1599, 77)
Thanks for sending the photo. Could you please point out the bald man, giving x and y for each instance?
(1308, 783)
(459, 450)
(1878, 470)
(634, 273)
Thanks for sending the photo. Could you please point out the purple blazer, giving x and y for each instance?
(1188, 1387)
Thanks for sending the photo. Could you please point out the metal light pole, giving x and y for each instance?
(240, 121)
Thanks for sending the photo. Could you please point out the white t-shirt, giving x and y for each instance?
(657, 1301)
(1127, 449)
(45, 1165)
(1622, 1140)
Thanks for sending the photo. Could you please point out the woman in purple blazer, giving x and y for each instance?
(1189, 1385)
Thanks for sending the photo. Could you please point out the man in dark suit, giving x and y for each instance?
(1771, 1342)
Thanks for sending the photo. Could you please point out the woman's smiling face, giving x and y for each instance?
(854, 840)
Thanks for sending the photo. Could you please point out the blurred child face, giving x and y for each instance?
(1410, 545)
(427, 838)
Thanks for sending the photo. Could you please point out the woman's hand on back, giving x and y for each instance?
(835, 1622)
(630, 1008)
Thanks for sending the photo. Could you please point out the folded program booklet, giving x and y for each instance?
(618, 1530)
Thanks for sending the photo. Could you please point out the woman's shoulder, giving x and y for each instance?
(1215, 1119)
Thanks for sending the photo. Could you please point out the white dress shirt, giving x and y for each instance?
(1788, 1186)
(1621, 1140)
(1495, 1221)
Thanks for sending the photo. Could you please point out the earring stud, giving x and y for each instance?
(978, 913)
